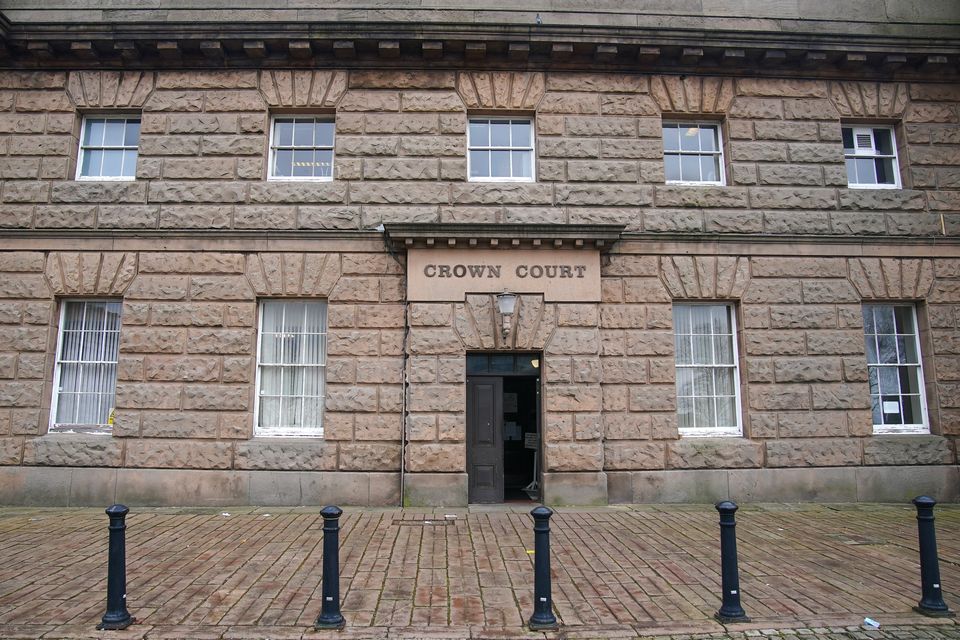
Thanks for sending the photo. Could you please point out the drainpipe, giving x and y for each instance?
(404, 384)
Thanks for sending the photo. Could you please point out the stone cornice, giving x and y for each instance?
(895, 54)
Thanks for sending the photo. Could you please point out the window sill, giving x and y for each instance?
(297, 179)
(874, 186)
(527, 180)
(80, 430)
(710, 433)
(678, 183)
(908, 430)
(276, 435)
(106, 178)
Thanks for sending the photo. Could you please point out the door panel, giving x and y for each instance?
(485, 439)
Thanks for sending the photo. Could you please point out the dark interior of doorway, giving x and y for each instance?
(519, 419)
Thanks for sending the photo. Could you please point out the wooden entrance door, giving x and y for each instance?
(485, 439)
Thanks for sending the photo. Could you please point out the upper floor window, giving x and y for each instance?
(291, 360)
(301, 148)
(108, 148)
(893, 365)
(692, 153)
(86, 368)
(708, 380)
(500, 149)
(871, 156)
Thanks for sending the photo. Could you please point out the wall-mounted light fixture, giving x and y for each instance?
(507, 304)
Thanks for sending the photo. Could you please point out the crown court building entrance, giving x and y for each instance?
(499, 319)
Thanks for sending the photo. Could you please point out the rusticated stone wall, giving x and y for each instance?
(185, 388)
(400, 152)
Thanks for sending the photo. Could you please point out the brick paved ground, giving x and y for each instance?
(618, 572)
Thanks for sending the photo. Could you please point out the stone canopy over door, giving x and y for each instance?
(557, 319)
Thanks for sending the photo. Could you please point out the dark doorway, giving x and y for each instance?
(503, 427)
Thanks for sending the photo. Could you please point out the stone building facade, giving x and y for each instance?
(197, 243)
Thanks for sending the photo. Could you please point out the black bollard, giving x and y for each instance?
(117, 616)
(330, 616)
(730, 610)
(931, 604)
(542, 618)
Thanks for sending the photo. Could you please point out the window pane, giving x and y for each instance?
(129, 163)
(685, 413)
(671, 168)
(283, 163)
(710, 168)
(903, 319)
(703, 410)
(476, 363)
(283, 133)
(883, 141)
(727, 412)
(501, 363)
(323, 163)
(847, 139)
(114, 133)
(671, 137)
(911, 409)
(92, 161)
(889, 380)
(866, 173)
(522, 164)
(690, 168)
(302, 163)
(323, 134)
(701, 321)
(909, 380)
(885, 172)
(883, 317)
(131, 137)
(500, 133)
(520, 134)
(94, 132)
(303, 133)
(112, 163)
(479, 133)
(690, 138)
(500, 164)
(887, 349)
(851, 171)
(708, 138)
(479, 164)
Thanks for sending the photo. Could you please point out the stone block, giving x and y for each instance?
(154, 395)
(369, 457)
(179, 454)
(179, 424)
(826, 452)
(695, 486)
(601, 127)
(351, 398)
(908, 450)
(902, 484)
(434, 342)
(24, 486)
(424, 397)
(575, 488)
(841, 396)
(812, 424)
(424, 457)
(216, 397)
(659, 397)
(573, 397)
(614, 195)
(180, 487)
(92, 487)
(793, 485)
(714, 453)
(220, 341)
(152, 340)
(579, 456)
(807, 369)
(633, 455)
(286, 455)
(71, 450)
(275, 488)
(793, 198)
(435, 490)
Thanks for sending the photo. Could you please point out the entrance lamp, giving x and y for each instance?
(506, 304)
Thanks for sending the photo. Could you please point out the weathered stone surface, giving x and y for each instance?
(823, 452)
(907, 450)
(179, 424)
(582, 456)
(807, 369)
(424, 397)
(633, 455)
(351, 398)
(581, 397)
(812, 424)
(72, 451)
(299, 455)
(168, 454)
(714, 453)
(369, 457)
(220, 341)
(436, 457)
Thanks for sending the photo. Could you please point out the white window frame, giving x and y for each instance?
(316, 432)
(532, 149)
(718, 153)
(714, 432)
(68, 427)
(83, 149)
(862, 129)
(893, 429)
(271, 151)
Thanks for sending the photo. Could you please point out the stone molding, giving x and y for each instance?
(501, 90)
(722, 277)
(114, 89)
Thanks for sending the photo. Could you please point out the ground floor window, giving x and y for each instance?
(292, 356)
(86, 367)
(893, 364)
(708, 381)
